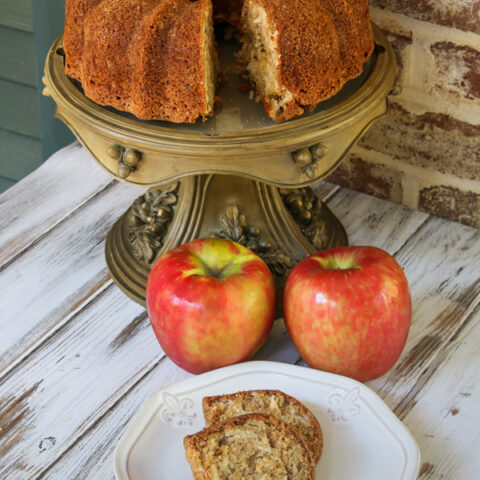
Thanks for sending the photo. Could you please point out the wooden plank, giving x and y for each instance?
(19, 109)
(278, 347)
(5, 183)
(16, 14)
(79, 374)
(19, 155)
(370, 221)
(59, 273)
(123, 356)
(17, 56)
(91, 458)
(442, 264)
(325, 190)
(444, 417)
(50, 194)
(417, 242)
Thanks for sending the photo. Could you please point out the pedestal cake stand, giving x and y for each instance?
(237, 176)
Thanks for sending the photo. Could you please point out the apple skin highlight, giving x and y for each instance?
(348, 311)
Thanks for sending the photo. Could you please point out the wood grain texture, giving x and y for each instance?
(46, 197)
(325, 190)
(92, 448)
(59, 273)
(445, 413)
(441, 261)
(370, 221)
(91, 457)
(79, 358)
(77, 376)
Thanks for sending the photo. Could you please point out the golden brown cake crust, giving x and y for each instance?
(273, 402)
(365, 35)
(269, 445)
(139, 56)
(73, 37)
(351, 58)
(168, 64)
(109, 44)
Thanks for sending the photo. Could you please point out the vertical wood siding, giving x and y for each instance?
(20, 139)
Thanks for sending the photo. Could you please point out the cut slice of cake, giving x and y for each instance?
(292, 54)
(272, 402)
(253, 446)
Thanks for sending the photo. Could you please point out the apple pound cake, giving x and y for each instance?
(256, 434)
(287, 73)
(252, 446)
(271, 402)
(157, 59)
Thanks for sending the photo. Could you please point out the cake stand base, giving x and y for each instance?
(281, 225)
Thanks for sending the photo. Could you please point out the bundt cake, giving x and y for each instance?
(157, 59)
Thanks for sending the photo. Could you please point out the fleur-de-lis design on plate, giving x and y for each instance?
(177, 411)
(344, 406)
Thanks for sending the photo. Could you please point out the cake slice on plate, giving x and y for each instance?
(271, 402)
(253, 446)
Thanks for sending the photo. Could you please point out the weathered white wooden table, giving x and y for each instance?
(78, 358)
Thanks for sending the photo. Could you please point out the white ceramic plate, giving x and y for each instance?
(363, 439)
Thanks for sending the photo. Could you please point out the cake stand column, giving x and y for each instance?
(281, 225)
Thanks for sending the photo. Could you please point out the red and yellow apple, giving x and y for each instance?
(348, 311)
(211, 303)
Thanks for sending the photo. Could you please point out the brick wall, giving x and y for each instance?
(426, 152)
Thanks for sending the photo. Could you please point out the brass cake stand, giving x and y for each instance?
(237, 176)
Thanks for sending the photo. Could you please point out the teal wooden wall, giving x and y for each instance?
(20, 138)
(48, 21)
(28, 131)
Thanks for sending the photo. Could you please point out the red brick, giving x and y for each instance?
(457, 70)
(432, 141)
(461, 14)
(451, 203)
(370, 178)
